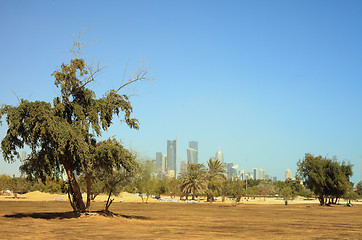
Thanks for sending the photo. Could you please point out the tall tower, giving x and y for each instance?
(158, 160)
(255, 173)
(261, 174)
(220, 156)
(171, 158)
(193, 152)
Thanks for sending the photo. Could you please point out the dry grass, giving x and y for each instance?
(53, 220)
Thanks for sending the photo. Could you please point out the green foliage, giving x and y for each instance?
(215, 177)
(193, 181)
(359, 188)
(252, 191)
(325, 177)
(22, 185)
(265, 189)
(253, 182)
(64, 133)
(351, 196)
(234, 188)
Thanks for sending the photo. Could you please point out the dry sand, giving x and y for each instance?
(163, 220)
(129, 197)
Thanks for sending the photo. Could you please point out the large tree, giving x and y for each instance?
(63, 134)
(327, 178)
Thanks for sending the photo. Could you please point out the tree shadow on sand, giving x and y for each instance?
(69, 215)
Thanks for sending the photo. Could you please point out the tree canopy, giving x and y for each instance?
(63, 133)
(327, 178)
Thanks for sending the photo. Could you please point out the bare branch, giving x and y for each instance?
(140, 74)
(78, 45)
(16, 95)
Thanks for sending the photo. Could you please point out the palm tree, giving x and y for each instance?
(193, 180)
(215, 177)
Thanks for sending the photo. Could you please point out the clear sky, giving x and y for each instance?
(266, 81)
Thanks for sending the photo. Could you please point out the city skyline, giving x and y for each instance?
(265, 81)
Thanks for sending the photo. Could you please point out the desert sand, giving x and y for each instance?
(39, 216)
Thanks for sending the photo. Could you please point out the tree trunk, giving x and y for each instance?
(89, 190)
(77, 195)
(109, 201)
(321, 200)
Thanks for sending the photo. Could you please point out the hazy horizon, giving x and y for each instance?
(266, 81)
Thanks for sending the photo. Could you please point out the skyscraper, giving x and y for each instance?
(193, 152)
(255, 173)
(158, 161)
(219, 156)
(171, 157)
(261, 174)
(288, 174)
(229, 170)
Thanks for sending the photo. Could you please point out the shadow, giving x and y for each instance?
(69, 215)
(47, 216)
(135, 217)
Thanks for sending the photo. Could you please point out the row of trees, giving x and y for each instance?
(195, 181)
(18, 185)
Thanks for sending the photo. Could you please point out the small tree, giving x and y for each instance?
(287, 193)
(351, 196)
(235, 189)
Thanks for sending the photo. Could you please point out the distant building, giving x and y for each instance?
(159, 165)
(242, 175)
(195, 146)
(164, 164)
(234, 171)
(219, 156)
(192, 155)
(288, 174)
(274, 179)
(171, 157)
(183, 166)
(158, 160)
(261, 174)
(229, 170)
(255, 173)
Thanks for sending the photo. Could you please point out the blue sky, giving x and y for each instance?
(266, 81)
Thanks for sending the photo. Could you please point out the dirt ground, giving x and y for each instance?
(163, 220)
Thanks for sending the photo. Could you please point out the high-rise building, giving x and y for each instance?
(164, 162)
(171, 157)
(219, 156)
(229, 170)
(194, 145)
(193, 152)
(243, 175)
(234, 171)
(261, 174)
(288, 174)
(158, 160)
(191, 155)
(255, 173)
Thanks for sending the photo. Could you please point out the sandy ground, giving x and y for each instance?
(128, 197)
(22, 219)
